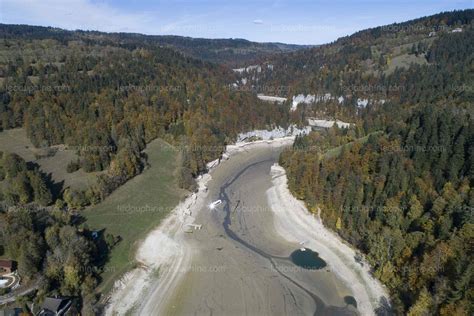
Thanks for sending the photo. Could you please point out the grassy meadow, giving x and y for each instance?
(16, 141)
(135, 208)
(336, 151)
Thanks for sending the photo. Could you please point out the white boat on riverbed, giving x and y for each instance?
(214, 204)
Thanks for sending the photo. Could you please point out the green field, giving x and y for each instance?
(404, 61)
(136, 208)
(336, 151)
(16, 141)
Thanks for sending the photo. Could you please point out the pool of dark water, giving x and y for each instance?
(307, 259)
(350, 300)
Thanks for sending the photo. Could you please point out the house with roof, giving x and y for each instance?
(55, 306)
(7, 266)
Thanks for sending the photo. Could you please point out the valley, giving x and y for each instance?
(176, 175)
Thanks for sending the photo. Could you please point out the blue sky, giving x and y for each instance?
(288, 21)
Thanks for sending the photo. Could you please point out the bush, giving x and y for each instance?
(4, 291)
(185, 179)
(75, 199)
(73, 166)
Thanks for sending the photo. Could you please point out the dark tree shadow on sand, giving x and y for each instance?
(384, 308)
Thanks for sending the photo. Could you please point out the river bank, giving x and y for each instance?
(295, 223)
(165, 254)
(239, 262)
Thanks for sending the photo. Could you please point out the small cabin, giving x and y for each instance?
(6, 266)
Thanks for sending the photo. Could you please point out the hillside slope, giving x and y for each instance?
(231, 52)
(404, 196)
(372, 66)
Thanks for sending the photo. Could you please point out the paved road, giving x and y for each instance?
(11, 297)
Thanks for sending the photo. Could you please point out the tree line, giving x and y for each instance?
(405, 198)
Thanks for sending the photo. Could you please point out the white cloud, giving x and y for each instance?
(258, 21)
(72, 14)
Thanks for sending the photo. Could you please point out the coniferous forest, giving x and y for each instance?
(398, 185)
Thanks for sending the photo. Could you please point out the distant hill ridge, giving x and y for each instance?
(229, 51)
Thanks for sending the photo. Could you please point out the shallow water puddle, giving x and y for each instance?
(307, 259)
(350, 300)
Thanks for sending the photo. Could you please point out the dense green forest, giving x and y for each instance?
(22, 183)
(110, 101)
(399, 184)
(230, 52)
(405, 198)
(45, 241)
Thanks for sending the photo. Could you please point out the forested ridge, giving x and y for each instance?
(418, 60)
(229, 51)
(110, 101)
(361, 56)
(399, 183)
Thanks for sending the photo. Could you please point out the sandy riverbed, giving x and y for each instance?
(241, 268)
(164, 256)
